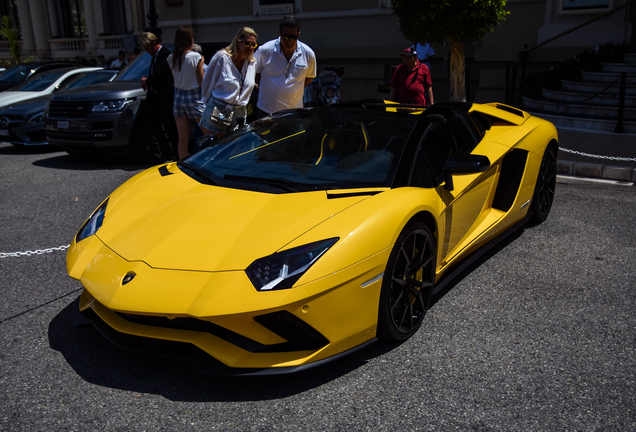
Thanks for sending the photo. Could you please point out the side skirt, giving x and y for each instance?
(458, 268)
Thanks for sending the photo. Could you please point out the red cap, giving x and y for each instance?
(409, 51)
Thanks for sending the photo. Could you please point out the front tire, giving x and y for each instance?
(545, 187)
(408, 284)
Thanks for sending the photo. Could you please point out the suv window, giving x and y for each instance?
(135, 70)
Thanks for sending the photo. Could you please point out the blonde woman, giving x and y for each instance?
(187, 70)
(228, 83)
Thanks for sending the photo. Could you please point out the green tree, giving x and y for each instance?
(452, 22)
(12, 35)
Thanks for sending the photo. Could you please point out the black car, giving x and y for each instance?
(22, 123)
(107, 119)
(18, 74)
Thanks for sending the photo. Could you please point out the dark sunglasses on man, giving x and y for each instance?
(289, 37)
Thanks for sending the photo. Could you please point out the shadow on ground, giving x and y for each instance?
(52, 157)
(99, 362)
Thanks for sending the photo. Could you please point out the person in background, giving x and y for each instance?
(120, 61)
(411, 82)
(229, 81)
(187, 70)
(284, 67)
(159, 84)
(134, 54)
(425, 53)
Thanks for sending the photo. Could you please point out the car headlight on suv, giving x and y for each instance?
(111, 105)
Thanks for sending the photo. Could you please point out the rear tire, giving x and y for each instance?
(408, 284)
(545, 187)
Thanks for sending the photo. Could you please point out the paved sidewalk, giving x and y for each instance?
(608, 156)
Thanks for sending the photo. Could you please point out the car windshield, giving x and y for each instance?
(16, 74)
(91, 78)
(331, 148)
(40, 81)
(136, 69)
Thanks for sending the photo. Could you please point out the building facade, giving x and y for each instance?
(361, 36)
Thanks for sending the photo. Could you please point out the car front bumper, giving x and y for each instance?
(220, 315)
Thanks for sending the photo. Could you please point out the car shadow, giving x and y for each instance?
(53, 157)
(91, 163)
(99, 362)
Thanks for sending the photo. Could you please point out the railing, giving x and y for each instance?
(511, 73)
(67, 48)
(110, 43)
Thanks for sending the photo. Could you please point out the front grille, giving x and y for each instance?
(74, 109)
(299, 335)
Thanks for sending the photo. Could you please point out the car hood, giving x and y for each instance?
(11, 97)
(102, 91)
(171, 221)
(29, 106)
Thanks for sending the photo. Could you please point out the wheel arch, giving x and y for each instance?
(426, 218)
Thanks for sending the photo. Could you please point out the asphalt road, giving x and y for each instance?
(538, 336)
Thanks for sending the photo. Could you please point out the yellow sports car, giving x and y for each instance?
(308, 233)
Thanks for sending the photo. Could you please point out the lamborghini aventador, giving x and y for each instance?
(309, 233)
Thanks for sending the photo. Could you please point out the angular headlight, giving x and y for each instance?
(111, 105)
(282, 269)
(92, 224)
(36, 118)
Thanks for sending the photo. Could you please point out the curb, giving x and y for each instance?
(596, 170)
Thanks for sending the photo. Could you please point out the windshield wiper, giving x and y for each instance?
(198, 172)
(281, 183)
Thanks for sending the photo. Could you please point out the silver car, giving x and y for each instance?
(22, 123)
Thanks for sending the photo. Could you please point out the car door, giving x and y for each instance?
(466, 206)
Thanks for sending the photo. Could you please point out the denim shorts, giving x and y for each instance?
(187, 103)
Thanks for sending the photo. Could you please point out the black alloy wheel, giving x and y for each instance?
(545, 187)
(408, 284)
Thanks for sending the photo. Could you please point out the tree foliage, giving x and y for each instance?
(442, 21)
(12, 35)
(452, 22)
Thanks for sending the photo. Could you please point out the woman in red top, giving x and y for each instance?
(411, 82)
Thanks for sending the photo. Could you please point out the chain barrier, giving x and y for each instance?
(614, 158)
(594, 95)
(30, 253)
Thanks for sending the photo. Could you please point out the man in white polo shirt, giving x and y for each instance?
(284, 67)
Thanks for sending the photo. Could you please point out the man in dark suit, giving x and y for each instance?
(159, 87)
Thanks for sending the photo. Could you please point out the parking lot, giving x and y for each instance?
(538, 335)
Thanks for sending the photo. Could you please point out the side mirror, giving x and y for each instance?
(463, 164)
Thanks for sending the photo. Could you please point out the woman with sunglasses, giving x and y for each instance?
(228, 83)
(285, 66)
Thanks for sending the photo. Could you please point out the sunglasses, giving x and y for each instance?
(289, 37)
(250, 44)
